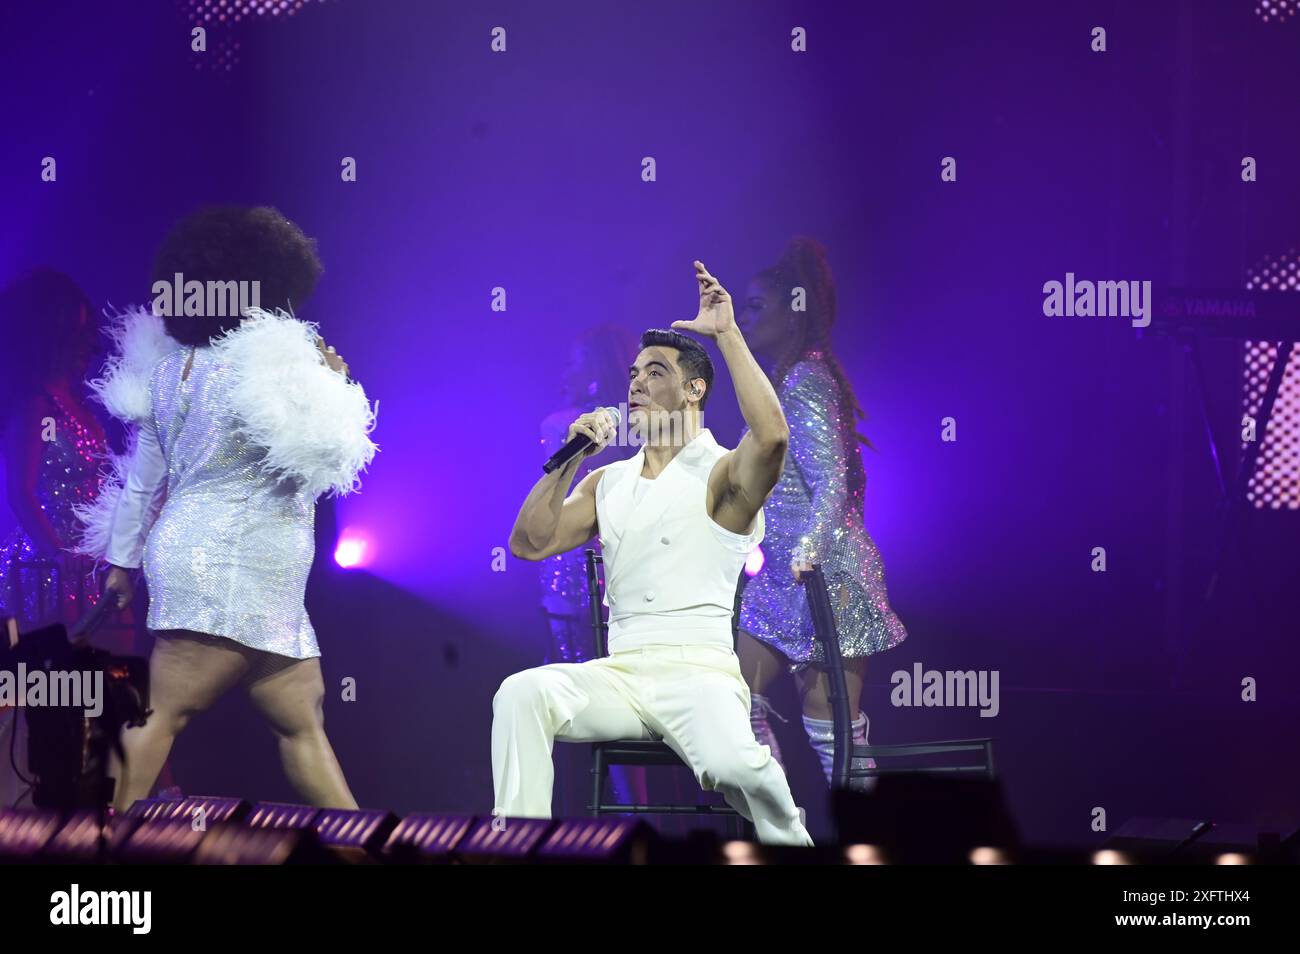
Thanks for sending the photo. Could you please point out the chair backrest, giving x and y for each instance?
(828, 637)
(600, 628)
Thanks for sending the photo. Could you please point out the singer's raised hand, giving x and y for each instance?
(716, 315)
(595, 425)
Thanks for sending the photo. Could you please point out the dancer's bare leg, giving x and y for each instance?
(759, 662)
(188, 672)
(292, 698)
(759, 665)
(818, 719)
(815, 688)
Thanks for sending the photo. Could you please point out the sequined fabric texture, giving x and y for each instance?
(231, 548)
(811, 506)
(40, 590)
(564, 601)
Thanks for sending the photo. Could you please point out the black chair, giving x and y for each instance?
(908, 758)
(640, 751)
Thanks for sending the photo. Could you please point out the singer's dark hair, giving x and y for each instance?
(691, 356)
(224, 243)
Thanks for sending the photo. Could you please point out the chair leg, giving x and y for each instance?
(598, 770)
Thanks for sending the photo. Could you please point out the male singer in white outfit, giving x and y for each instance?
(676, 522)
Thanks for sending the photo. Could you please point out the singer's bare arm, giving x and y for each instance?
(742, 480)
(550, 523)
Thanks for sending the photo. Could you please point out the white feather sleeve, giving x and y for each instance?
(116, 525)
(314, 422)
(96, 517)
(139, 343)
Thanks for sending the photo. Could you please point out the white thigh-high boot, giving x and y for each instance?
(759, 707)
(821, 735)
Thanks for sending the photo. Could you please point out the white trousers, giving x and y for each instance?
(692, 697)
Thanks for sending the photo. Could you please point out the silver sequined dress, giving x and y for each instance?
(220, 497)
(812, 504)
(232, 545)
(42, 590)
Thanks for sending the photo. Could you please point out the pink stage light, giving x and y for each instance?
(754, 562)
(351, 552)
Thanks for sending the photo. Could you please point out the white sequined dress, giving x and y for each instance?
(217, 497)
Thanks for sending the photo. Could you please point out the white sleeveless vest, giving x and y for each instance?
(670, 570)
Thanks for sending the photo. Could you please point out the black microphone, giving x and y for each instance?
(576, 446)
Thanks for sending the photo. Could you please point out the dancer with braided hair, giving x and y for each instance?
(815, 513)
